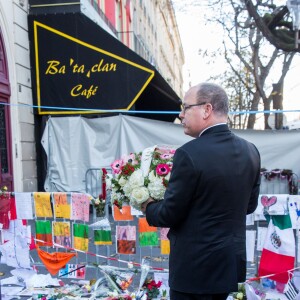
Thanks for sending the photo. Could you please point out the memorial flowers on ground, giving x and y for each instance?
(141, 175)
(151, 288)
(240, 294)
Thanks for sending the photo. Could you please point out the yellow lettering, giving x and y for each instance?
(81, 69)
(53, 68)
(106, 67)
(94, 68)
(113, 67)
(99, 65)
(87, 93)
(103, 67)
(75, 89)
(78, 69)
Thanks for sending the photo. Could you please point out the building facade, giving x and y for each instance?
(17, 142)
(150, 29)
(147, 27)
(157, 39)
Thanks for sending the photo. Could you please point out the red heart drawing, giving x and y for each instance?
(267, 202)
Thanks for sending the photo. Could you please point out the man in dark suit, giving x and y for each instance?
(213, 186)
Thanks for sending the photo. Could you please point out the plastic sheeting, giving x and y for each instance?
(75, 144)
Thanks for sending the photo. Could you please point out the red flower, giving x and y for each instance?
(165, 182)
(152, 288)
(127, 170)
(117, 204)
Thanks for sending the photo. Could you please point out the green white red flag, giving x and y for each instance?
(278, 254)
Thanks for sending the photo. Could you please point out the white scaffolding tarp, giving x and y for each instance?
(75, 144)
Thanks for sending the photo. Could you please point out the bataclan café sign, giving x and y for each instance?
(80, 71)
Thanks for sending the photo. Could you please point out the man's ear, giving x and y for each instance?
(207, 110)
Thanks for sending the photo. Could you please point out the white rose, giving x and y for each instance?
(127, 188)
(122, 181)
(136, 179)
(156, 189)
(138, 196)
(152, 176)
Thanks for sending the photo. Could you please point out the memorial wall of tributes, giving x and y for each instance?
(38, 226)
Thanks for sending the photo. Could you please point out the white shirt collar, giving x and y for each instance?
(211, 127)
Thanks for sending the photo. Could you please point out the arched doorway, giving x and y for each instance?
(6, 171)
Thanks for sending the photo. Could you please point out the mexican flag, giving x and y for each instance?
(278, 254)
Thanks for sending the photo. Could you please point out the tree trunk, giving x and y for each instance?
(254, 107)
(267, 115)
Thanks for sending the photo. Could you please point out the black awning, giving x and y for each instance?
(79, 68)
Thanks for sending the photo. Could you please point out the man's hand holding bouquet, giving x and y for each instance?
(138, 176)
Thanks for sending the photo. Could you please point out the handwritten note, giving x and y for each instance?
(80, 207)
(24, 206)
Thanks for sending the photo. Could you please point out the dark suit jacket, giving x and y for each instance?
(214, 183)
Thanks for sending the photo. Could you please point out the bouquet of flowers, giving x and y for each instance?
(240, 295)
(139, 176)
(99, 203)
(151, 288)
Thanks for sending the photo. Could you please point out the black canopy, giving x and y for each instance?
(79, 68)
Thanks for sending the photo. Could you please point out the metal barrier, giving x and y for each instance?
(93, 181)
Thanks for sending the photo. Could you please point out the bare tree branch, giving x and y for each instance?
(268, 30)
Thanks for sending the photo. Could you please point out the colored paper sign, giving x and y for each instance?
(80, 207)
(43, 232)
(147, 234)
(126, 239)
(61, 233)
(123, 214)
(42, 205)
(62, 207)
(81, 236)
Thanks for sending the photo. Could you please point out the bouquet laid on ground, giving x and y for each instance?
(240, 294)
(138, 176)
(151, 288)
